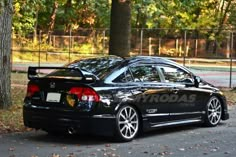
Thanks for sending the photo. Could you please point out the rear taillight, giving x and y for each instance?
(31, 90)
(85, 94)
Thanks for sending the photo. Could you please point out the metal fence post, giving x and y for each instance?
(159, 46)
(231, 59)
(103, 41)
(69, 45)
(150, 46)
(141, 42)
(40, 41)
(185, 44)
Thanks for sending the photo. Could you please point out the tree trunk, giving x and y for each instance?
(53, 17)
(67, 8)
(5, 53)
(35, 38)
(222, 12)
(120, 28)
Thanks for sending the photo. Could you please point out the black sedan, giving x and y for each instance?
(119, 97)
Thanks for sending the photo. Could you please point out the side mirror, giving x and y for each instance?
(197, 81)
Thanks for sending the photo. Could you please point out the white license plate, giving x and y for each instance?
(53, 97)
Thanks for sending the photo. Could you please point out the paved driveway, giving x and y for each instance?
(189, 141)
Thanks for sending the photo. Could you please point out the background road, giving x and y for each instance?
(217, 78)
(188, 141)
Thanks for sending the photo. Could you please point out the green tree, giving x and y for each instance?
(26, 15)
(6, 10)
(120, 28)
(232, 15)
(221, 13)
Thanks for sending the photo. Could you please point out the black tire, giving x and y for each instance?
(127, 123)
(213, 112)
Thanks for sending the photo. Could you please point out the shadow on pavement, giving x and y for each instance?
(84, 140)
(40, 136)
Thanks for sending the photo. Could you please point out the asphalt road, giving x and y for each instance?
(217, 78)
(187, 141)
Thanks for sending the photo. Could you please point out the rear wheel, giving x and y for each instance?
(127, 121)
(213, 112)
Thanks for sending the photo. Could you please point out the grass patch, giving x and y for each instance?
(11, 120)
(230, 96)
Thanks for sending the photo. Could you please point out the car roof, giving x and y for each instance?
(149, 59)
(139, 60)
(134, 59)
(100, 57)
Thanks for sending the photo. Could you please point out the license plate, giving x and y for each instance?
(53, 97)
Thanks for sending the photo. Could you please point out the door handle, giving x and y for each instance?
(175, 90)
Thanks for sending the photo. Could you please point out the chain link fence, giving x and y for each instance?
(202, 50)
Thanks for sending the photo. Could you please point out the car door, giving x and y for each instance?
(185, 101)
(151, 89)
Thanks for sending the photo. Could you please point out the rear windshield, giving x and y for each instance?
(99, 67)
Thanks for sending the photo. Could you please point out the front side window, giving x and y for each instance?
(175, 74)
(145, 73)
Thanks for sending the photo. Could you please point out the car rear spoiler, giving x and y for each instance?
(34, 72)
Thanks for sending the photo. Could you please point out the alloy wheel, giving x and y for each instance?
(128, 122)
(214, 111)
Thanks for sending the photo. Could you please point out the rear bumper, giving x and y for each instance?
(62, 120)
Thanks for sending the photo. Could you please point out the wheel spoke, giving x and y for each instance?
(130, 112)
(211, 105)
(219, 107)
(215, 119)
(122, 122)
(133, 126)
(133, 116)
(210, 110)
(130, 131)
(134, 122)
(126, 114)
(210, 115)
(123, 116)
(211, 119)
(214, 103)
(123, 128)
(126, 131)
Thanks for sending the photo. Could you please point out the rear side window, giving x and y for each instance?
(145, 73)
(65, 72)
(124, 77)
(97, 66)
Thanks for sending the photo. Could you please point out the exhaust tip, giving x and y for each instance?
(71, 130)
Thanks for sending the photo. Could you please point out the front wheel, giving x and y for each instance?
(127, 123)
(213, 112)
